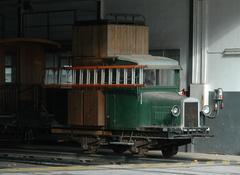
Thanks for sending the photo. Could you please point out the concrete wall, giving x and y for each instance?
(168, 21)
(223, 30)
(224, 128)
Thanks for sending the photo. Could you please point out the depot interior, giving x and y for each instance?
(203, 36)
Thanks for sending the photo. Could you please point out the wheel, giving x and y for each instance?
(119, 149)
(139, 151)
(169, 151)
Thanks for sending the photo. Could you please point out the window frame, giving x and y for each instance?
(12, 67)
(155, 85)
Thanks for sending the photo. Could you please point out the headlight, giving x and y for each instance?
(206, 110)
(175, 111)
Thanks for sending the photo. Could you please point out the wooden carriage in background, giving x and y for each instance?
(25, 98)
(22, 64)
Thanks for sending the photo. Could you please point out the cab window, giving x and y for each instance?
(9, 70)
(159, 77)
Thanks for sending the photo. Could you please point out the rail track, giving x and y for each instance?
(72, 155)
(49, 159)
(61, 155)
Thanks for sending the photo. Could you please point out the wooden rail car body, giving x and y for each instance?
(22, 63)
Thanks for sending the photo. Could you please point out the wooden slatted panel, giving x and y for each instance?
(1, 66)
(142, 40)
(101, 41)
(111, 38)
(90, 41)
(127, 40)
(32, 65)
(94, 108)
(86, 108)
(75, 107)
(91, 110)
(132, 36)
(8, 101)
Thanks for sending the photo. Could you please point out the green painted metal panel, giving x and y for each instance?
(161, 115)
(145, 106)
(129, 111)
(122, 111)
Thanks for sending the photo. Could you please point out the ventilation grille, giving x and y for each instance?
(191, 114)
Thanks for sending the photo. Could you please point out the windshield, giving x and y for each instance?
(159, 77)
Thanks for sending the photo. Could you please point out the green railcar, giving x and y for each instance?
(144, 109)
(153, 116)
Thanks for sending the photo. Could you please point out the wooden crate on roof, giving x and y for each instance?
(89, 41)
(108, 40)
(126, 40)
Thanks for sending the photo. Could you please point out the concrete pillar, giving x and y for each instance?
(199, 88)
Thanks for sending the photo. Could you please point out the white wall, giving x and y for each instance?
(168, 21)
(223, 32)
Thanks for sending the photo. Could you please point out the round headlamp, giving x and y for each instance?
(175, 111)
(206, 110)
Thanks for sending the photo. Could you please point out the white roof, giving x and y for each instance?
(151, 61)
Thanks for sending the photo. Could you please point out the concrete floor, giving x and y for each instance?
(183, 163)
